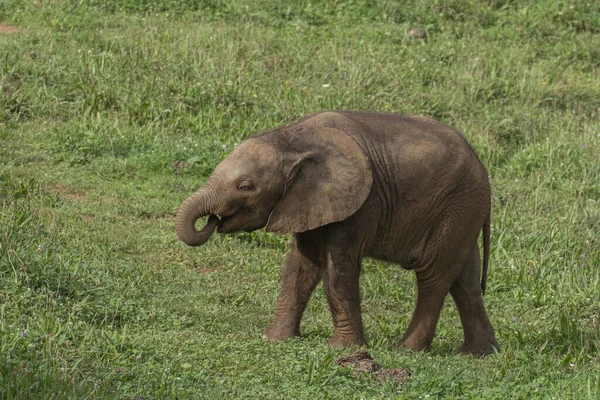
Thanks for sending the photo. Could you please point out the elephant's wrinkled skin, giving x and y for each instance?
(402, 189)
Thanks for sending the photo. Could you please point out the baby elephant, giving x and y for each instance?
(347, 185)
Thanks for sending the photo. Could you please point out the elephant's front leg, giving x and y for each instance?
(300, 275)
(341, 282)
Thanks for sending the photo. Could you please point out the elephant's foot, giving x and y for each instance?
(339, 341)
(277, 332)
(413, 342)
(479, 348)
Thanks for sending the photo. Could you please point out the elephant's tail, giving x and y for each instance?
(486, 252)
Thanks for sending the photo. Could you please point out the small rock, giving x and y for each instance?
(417, 33)
(32, 55)
(179, 164)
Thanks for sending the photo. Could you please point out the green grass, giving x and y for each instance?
(99, 299)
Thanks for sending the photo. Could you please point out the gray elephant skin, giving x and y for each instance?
(347, 185)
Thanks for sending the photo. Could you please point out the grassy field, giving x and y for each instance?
(99, 98)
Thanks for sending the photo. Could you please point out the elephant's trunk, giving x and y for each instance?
(193, 208)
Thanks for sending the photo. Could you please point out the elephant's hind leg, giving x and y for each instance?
(301, 272)
(466, 291)
(442, 262)
(430, 299)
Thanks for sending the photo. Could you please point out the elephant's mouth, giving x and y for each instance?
(225, 222)
(222, 221)
(241, 220)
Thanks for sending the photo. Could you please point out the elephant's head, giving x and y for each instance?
(289, 180)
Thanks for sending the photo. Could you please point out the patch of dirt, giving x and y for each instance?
(362, 362)
(7, 29)
(64, 192)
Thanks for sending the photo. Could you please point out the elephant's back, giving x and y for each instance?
(405, 148)
(404, 133)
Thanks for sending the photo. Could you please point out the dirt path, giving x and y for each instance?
(7, 29)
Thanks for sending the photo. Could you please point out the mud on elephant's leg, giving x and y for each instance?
(466, 291)
(301, 272)
(341, 283)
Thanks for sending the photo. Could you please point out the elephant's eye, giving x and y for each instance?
(245, 186)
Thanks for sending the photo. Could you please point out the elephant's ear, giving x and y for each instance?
(328, 178)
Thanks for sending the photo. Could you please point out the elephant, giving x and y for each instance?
(347, 185)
